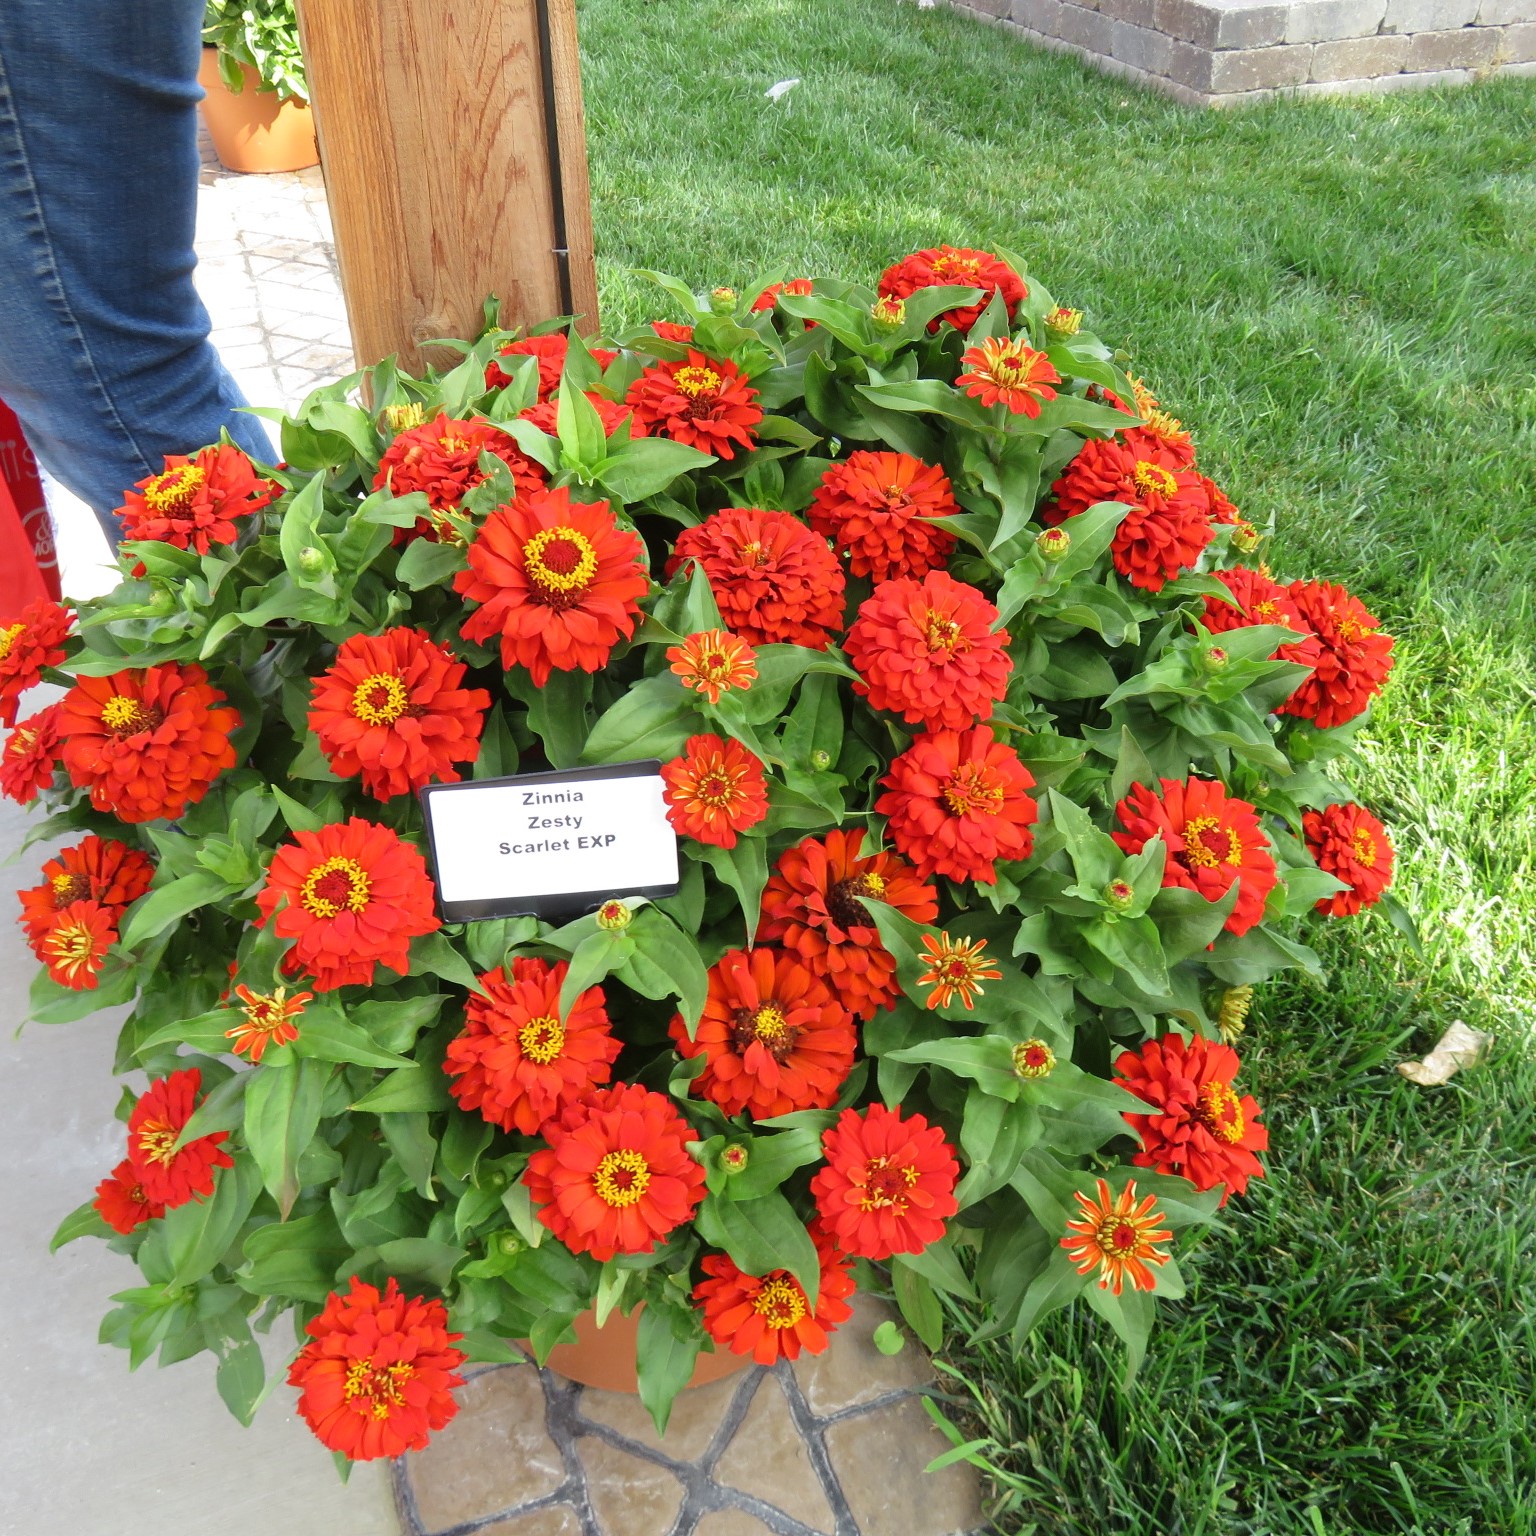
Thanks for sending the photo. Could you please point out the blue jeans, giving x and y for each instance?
(104, 350)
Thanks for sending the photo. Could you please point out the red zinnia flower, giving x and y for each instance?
(1353, 657)
(558, 580)
(31, 756)
(671, 330)
(1117, 1237)
(927, 651)
(1199, 1129)
(147, 744)
(957, 803)
(704, 402)
(356, 896)
(169, 1174)
(34, 641)
(99, 870)
(442, 458)
(1351, 845)
(812, 906)
(1260, 601)
(1169, 523)
(546, 415)
(797, 287)
(616, 1176)
(518, 1062)
(774, 1038)
(269, 1020)
(76, 943)
(775, 581)
(888, 1184)
(378, 1374)
(956, 968)
(193, 503)
(1009, 373)
(949, 267)
(713, 662)
(769, 1316)
(877, 508)
(121, 1201)
(390, 708)
(714, 790)
(1169, 431)
(550, 351)
(1211, 840)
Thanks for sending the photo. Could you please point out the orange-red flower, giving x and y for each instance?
(546, 415)
(958, 802)
(928, 651)
(1351, 845)
(617, 1175)
(1008, 373)
(1256, 599)
(391, 709)
(550, 351)
(121, 1201)
(74, 946)
(269, 1020)
(704, 402)
(1199, 1129)
(1169, 523)
(671, 330)
(878, 509)
(169, 1174)
(713, 662)
(34, 641)
(775, 581)
(956, 968)
(769, 1316)
(356, 896)
(30, 756)
(97, 869)
(812, 906)
(557, 580)
(1211, 840)
(518, 1061)
(147, 744)
(193, 502)
(1118, 1238)
(1353, 656)
(947, 266)
(715, 790)
(442, 458)
(378, 1374)
(888, 1183)
(1169, 431)
(773, 1037)
(796, 287)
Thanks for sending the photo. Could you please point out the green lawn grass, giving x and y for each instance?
(1339, 297)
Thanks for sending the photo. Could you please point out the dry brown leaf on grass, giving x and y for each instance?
(1459, 1047)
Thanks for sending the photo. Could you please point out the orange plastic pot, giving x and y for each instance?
(252, 130)
(605, 1357)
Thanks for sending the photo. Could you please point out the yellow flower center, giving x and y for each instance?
(1219, 1111)
(1033, 1058)
(780, 1303)
(380, 699)
(1198, 851)
(613, 916)
(453, 444)
(694, 381)
(336, 885)
(621, 1178)
(174, 490)
(1363, 846)
(1065, 322)
(769, 1023)
(969, 794)
(8, 638)
(885, 1187)
(542, 1039)
(716, 790)
(157, 1141)
(943, 633)
(1161, 424)
(1118, 1236)
(889, 311)
(382, 1388)
(1153, 478)
(1351, 630)
(127, 717)
(957, 269)
(560, 562)
(68, 888)
(753, 555)
(71, 947)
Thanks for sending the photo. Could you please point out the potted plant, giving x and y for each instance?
(993, 766)
(256, 100)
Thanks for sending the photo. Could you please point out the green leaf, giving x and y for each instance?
(593, 959)
(649, 465)
(297, 1259)
(434, 955)
(199, 1233)
(676, 956)
(939, 1266)
(652, 719)
(987, 1060)
(888, 1338)
(427, 563)
(242, 1379)
(282, 1114)
(771, 1160)
(84, 1221)
(1056, 1286)
(419, 1088)
(421, 1256)
(326, 1034)
(664, 1362)
(761, 1236)
(744, 868)
(558, 713)
(994, 1135)
(1130, 1315)
(919, 1305)
(158, 910)
(1187, 922)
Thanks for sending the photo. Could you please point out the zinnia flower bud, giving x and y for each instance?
(311, 561)
(1119, 895)
(1063, 321)
(509, 1244)
(1246, 538)
(1214, 659)
(398, 418)
(1033, 1058)
(888, 314)
(614, 916)
(1053, 544)
(820, 760)
(734, 1157)
(722, 300)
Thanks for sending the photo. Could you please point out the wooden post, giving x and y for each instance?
(455, 161)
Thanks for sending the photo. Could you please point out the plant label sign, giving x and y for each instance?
(550, 844)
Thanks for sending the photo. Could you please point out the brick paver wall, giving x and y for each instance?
(1220, 52)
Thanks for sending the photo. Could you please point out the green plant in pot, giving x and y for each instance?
(263, 34)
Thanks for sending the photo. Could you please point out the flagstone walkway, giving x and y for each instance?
(835, 1447)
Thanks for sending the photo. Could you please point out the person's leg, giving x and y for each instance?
(104, 350)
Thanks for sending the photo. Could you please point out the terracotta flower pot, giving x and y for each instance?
(605, 1357)
(252, 130)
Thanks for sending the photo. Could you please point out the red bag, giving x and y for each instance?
(29, 563)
